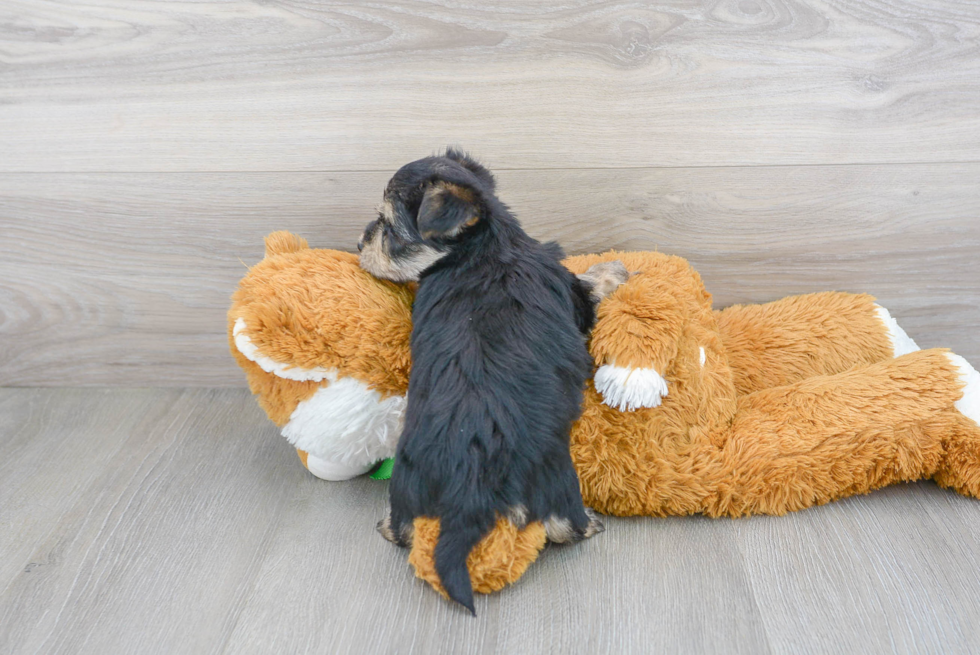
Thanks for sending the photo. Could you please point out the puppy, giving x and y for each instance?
(499, 361)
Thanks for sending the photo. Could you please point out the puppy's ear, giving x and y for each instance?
(473, 166)
(446, 210)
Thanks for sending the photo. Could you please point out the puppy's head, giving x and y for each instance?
(429, 207)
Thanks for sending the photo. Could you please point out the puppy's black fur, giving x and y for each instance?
(499, 361)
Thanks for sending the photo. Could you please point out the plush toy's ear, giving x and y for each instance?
(447, 209)
(282, 242)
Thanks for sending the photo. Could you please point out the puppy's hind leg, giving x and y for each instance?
(562, 531)
(604, 278)
(595, 525)
(398, 530)
(576, 522)
(591, 287)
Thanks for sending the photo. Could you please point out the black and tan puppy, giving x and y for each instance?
(499, 361)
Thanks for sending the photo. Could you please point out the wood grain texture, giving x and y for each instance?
(825, 583)
(325, 86)
(157, 552)
(61, 466)
(182, 522)
(124, 279)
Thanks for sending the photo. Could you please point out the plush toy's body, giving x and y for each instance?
(752, 409)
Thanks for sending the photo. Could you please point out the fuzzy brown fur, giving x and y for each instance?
(800, 337)
(498, 560)
(798, 402)
(320, 311)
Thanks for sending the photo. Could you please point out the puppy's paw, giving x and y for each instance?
(384, 528)
(604, 278)
(595, 525)
(402, 537)
(561, 531)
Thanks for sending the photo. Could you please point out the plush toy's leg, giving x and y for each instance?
(332, 471)
(960, 465)
(798, 337)
(832, 436)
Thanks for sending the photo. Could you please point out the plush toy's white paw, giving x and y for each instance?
(902, 344)
(628, 388)
(969, 403)
(334, 471)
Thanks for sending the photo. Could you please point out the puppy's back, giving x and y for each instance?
(499, 363)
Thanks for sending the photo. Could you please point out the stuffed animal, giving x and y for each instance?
(752, 409)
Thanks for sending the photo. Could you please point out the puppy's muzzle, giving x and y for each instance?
(369, 231)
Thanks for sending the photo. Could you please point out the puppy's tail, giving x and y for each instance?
(457, 537)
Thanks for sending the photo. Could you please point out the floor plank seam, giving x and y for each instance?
(379, 171)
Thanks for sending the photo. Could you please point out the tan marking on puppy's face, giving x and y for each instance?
(461, 192)
(375, 260)
(386, 211)
(389, 252)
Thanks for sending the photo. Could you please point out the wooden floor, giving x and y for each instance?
(146, 147)
(178, 521)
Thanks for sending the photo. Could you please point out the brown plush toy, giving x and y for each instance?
(753, 409)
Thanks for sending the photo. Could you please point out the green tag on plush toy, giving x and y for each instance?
(383, 470)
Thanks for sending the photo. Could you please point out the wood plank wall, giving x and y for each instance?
(782, 146)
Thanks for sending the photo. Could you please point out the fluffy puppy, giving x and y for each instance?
(499, 361)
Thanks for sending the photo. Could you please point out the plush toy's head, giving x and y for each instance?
(325, 347)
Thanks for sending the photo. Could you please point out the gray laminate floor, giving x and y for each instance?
(170, 521)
